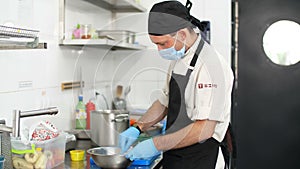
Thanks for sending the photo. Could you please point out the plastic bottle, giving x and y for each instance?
(90, 106)
(80, 114)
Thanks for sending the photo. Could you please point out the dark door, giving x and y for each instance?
(266, 113)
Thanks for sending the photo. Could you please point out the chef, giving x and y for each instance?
(196, 99)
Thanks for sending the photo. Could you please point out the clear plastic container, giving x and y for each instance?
(86, 31)
(54, 149)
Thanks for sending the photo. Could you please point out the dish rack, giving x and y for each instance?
(18, 38)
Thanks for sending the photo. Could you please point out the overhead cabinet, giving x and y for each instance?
(113, 6)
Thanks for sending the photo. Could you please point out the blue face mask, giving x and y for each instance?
(171, 53)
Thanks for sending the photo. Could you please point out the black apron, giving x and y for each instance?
(200, 155)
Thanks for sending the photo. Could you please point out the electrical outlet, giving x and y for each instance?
(25, 84)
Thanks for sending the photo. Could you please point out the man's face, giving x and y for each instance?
(166, 41)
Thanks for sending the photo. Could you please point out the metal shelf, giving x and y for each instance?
(18, 38)
(118, 5)
(102, 42)
(22, 46)
(111, 5)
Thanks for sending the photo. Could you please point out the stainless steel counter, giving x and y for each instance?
(85, 145)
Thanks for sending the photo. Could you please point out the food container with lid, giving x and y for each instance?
(118, 35)
(53, 149)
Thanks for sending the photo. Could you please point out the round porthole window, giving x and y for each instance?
(281, 42)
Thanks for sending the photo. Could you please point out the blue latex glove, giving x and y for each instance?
(127, 138)
(143, 150)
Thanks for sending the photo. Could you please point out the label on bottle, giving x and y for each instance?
(80, 114)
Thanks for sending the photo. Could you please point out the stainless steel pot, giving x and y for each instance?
(106, 125)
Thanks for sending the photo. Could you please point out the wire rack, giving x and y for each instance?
(19, 38)
(7, 32)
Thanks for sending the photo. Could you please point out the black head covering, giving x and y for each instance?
(168, 17)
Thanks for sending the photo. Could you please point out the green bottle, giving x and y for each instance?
(80, 114)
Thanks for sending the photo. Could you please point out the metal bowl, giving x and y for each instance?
(109, 157)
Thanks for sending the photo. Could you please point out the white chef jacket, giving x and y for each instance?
(208, 92)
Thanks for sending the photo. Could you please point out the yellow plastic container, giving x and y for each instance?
(77, 155)
(77, 164)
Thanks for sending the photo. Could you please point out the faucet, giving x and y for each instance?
(4, 128)
(18, 114)
(104, 98)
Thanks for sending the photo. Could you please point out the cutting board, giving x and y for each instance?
(134, 164)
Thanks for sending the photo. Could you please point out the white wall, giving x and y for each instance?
(102, 69)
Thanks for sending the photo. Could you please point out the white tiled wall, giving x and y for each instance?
(102, 69)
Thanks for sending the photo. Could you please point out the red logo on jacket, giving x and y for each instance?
(207, 85)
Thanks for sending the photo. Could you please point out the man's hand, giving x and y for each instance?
(127, 138)
(143, 150)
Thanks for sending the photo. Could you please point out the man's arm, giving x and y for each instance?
(198, 131)
(154, 114)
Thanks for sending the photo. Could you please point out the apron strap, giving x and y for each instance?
(199, 48)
